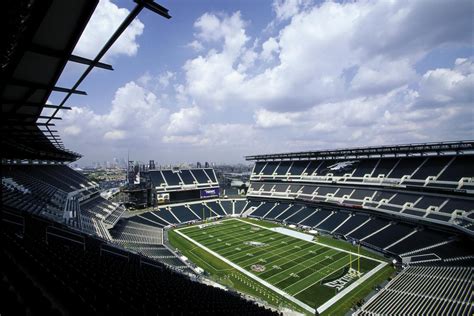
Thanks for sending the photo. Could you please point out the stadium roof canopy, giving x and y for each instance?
(422, 149)
(39, 37)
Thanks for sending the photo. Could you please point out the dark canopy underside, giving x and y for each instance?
(39, 37)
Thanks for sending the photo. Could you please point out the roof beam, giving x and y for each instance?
(131, 16)
(37, 85)
(19, 132)
(154, 7)
(52, 106)
(35, 104)
(90, 62)
(16, 116)
(149, 4)
(67, 90)
(27, 124)
(43, 50)
(379, 152)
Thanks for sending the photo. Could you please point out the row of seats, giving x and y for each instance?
(53, 191)
(160, 253)
(144, 231)
(103, 209)
(94, 226)
(190, 212)
(34, 197)
(406, 203)
(79, 281)
(166, 178)
(128, 232)
(381, 234)
(442, 171)
(59, 193)
(146, 240)
(59, 176)
(427, 290)
(21, 200)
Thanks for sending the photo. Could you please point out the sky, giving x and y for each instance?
(225, 79)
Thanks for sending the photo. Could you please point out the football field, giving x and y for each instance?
(307, 272)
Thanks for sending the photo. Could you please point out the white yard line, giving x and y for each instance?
(250, 275)
(318, 243)
(300, 264)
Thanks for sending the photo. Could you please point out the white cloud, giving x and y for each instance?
(381, 75)
(443, 86)
(209, 27)
(115, 135)
(106, 19)
(196, 46)
(72, 130)
(269, 48)
(314, 52)
(285, 9)
(135, 117)
(229, 136)
(309, 90)
(267, 119)
(184, 122)
(165, 78)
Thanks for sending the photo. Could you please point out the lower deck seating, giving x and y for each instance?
(227, 206)
(101, 208)
(419, 240)
(300, 216)
(129, 232)
(456, 252)
(427, 290)
(86, 282)
(94, 226)
(333, 221)
(370, 227)
(351, 224)
(159, 253)
(215, 208)
(378, 233)
(150, 218)
(239, 206)
(183, 214)
(262, 209)
(316, 218)
(389, 235)
(276, 210)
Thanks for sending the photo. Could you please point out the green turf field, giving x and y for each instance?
(291, 266)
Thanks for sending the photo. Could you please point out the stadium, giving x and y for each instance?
(378, 230)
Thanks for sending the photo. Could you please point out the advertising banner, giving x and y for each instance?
(206, 193)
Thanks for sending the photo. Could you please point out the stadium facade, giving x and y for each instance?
(68, 250)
